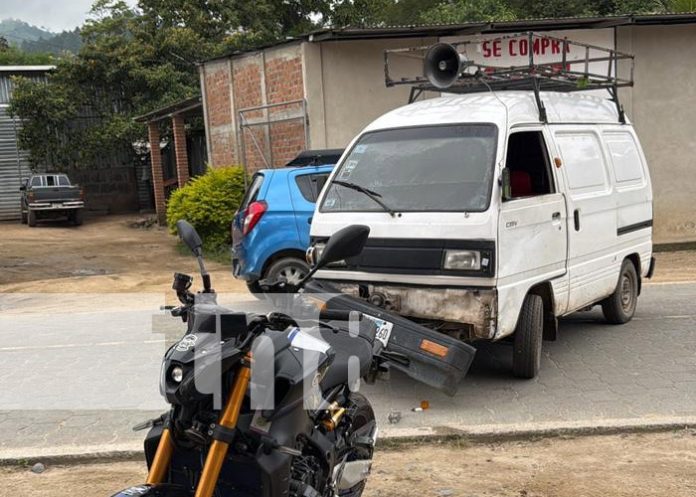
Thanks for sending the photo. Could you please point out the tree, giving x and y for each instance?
(459, 11)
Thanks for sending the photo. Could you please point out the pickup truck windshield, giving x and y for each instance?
(420, 169)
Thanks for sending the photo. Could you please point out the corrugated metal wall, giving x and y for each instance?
(14, 166)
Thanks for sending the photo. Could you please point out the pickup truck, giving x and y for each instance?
(51, 196)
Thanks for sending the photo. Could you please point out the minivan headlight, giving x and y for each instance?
(462, 260)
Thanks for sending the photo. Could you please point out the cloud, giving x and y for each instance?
(55, 15)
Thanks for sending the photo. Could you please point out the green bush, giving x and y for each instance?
(209, 202)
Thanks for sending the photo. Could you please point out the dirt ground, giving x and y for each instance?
(107, 254)
(647, 465)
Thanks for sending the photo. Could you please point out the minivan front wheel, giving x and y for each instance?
(291, 269)
(526, 358)
(620, 306)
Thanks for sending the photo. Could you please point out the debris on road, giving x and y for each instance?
(394, 417)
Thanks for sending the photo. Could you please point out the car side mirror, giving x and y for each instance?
(190, 237)
(506, 184)
(345, 243)
(22, 188)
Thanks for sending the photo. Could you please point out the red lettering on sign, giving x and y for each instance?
(496, 48)
(555, 46)
(511, 47)
(545, 43)
(524, 46)
(486, 49)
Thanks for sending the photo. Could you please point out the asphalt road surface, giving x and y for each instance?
(78, 371)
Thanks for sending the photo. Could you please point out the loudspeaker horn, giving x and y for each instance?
(442, 65)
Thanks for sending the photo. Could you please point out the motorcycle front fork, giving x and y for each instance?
(218, 449)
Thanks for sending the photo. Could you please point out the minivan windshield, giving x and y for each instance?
(421, 169)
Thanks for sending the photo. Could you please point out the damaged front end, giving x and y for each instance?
(465, 313)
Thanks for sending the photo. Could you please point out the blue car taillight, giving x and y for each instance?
(252, 215)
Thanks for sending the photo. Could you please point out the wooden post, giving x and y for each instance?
(157, 173)
(180, 150)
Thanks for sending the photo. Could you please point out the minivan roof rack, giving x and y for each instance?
(589, 68)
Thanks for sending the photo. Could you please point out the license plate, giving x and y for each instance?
(384, 329)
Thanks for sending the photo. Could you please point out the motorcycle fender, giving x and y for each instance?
(159, 490)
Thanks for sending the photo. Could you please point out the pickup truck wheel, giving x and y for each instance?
(526, 358)
(620, 306)
(31, 218)
(76, 217)
(290, 268)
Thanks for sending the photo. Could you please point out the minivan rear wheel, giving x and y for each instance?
(290, 268)
(526, 358)
(620, 306)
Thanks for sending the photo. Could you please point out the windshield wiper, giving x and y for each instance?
(369, 193)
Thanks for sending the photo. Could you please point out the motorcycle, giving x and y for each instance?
(226, 445)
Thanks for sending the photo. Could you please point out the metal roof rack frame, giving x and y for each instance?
(562, 75)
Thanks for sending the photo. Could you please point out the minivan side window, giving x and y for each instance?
(625, 159)
(36, 181)
(528, 163)
(583, 161)
(310, 185)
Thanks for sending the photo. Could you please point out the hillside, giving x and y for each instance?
(33, 39)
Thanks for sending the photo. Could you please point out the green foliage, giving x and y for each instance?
(12, 56)
(459, 11)
(678, 5)
(209, 202)
(67, 42)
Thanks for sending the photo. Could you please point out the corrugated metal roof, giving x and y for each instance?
(181, 107)
(473, 28)
(20, 69)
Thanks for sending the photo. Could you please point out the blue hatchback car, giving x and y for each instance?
(270, 232)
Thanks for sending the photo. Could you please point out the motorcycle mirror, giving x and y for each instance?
(346, 242)
(190, 237)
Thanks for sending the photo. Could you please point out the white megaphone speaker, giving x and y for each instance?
(443, 64)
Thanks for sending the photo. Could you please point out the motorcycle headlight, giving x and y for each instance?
(462, 260)
(177, 374)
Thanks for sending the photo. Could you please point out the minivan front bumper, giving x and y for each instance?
(474, 307)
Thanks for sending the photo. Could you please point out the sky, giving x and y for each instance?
(55, 15)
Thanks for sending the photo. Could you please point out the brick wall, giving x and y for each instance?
(250, 81)
(218, 102)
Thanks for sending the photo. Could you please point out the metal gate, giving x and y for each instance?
(14, 166)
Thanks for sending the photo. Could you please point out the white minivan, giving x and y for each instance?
(488, 222)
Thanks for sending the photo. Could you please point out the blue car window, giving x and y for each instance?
(310, 185)
(252, 192)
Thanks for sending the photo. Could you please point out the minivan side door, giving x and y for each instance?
(532, 226)
(592, 268)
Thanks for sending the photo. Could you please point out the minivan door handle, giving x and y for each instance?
(576, 219)
(556, 216)
(309, 219)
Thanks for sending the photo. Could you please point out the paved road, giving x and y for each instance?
(76, 379)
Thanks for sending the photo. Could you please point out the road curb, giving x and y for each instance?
(396, 438)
